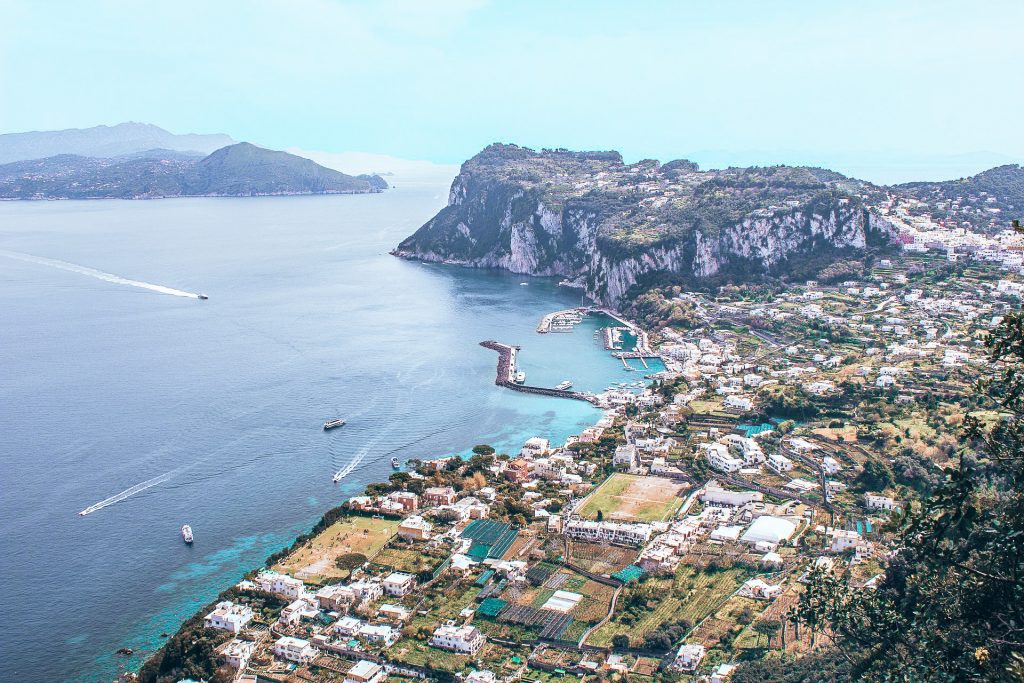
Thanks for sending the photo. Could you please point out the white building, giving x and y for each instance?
(759, 590)
(843, 539)
(779, 463)
(399, 584)
(689, 657)
(535, 447)
(626, 456)
(227, 616)
(620, 533)
(365, 671)
(461, 639)
(294, 650)
(716, 496)
(415, 528)
(237, 653)
(281, 585)
(379, 633)
(876, 502)
(738, 404)
(746, 448)
(720, 459)
(768, 529)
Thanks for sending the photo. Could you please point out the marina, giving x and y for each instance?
(506, 372)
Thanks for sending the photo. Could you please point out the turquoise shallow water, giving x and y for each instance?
(221, 402)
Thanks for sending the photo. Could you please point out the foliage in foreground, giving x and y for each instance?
(951, 604)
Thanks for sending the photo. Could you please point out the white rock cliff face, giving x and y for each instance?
(565, 243)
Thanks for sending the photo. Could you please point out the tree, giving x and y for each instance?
(350, 562)
(620, 641)
(768, 628)
(950, 606)
(483, 449)
(600, 515)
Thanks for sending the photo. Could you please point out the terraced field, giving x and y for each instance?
(688, 595)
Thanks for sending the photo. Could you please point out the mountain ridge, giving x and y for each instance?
(241, 169)
(105, 141)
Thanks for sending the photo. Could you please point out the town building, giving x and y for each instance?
(228, 616)
(461, 639)
(294, 650)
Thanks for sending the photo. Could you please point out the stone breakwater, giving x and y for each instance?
(506, 369)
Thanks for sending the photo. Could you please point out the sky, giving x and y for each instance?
(881, 87)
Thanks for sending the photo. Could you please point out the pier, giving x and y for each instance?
(505, 376)
(561, 321)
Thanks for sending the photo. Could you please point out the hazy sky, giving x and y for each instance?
(791, 81)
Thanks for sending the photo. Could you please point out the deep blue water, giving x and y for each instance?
(104, 386)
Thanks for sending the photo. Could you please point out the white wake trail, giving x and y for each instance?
(128, 492)
(98, 274)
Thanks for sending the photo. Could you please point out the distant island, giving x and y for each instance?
(614, 229)
(105, 141)
(237, 170)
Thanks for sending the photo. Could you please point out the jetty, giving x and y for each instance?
(506, 374)
(561, 321)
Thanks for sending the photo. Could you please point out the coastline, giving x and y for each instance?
(344, 510)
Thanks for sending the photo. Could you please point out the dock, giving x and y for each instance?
(506, 372)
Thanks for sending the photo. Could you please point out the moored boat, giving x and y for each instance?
(186, 533)
(562, 386)
(395, 463)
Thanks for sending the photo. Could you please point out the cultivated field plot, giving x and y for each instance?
(314, 560)
(628, 497)
(601, 559)
(404, 560)
(690, 595)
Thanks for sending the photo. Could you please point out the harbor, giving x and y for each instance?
(506, 374)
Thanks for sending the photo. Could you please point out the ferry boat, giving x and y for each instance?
(186, 533)
(331, 424)
(202, 297)
(562, 386)
(520, 377)
(395, 463)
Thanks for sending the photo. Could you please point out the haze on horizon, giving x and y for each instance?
(923, 90)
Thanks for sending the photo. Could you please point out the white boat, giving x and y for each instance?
(562, 386)
(338, 476)
(395, 463)
(186, 533)
(202, 297)
(331, 424)
(520, 377)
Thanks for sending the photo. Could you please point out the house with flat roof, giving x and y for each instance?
(228, 616)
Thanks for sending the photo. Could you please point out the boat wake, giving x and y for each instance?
(98, 274)
(128, 493)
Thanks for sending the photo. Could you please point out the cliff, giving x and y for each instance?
(590, 217)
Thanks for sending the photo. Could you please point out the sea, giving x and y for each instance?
(124, 395)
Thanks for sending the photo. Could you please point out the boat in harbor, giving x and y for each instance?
(562, 386)
(395, 463)
(331, 424)
(186, 533)
(520, 377)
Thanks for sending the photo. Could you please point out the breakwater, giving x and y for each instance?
(505, 375)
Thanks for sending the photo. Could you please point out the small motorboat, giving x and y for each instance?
(520, 377)
(395, 463)
(562, 386)
(331, 424)
(186, 533)
(202, 297)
